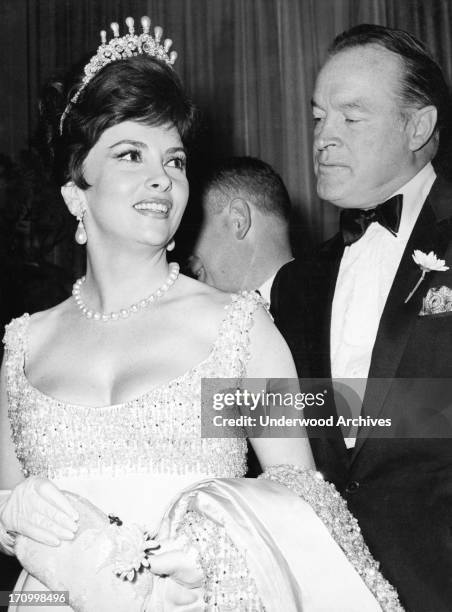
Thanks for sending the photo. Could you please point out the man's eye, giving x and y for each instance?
(177, 162)
(132, 155)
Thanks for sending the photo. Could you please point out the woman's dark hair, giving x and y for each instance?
(139, 88)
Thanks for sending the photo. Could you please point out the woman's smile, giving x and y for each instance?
(156, 207)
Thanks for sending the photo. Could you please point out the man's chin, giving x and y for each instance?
(332, 195)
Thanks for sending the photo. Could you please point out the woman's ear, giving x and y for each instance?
(74, 198)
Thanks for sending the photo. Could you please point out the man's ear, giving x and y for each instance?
(74, 198)
(422, 125)
(240, 215)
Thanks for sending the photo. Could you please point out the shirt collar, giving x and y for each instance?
(414, 194)
(266, 287)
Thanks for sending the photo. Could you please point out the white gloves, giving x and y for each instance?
(36, 508)
(182, 586)
(176, 559)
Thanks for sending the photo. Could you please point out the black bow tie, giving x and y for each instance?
(355, 221)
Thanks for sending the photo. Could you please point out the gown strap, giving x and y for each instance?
(233, 341)
(15, 341)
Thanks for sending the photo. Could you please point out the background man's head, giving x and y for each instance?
(380, 104)
(244, 236)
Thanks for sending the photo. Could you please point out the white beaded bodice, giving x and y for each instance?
(158, 432)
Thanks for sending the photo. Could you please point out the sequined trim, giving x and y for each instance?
(159, 432)
(332, 509)
(228, 583)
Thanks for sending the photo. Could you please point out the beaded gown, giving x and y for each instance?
(145, 462)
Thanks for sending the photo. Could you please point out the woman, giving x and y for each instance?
(102, 392)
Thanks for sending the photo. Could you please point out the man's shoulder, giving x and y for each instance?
(290, 284)
(312, 262)
(289, 275)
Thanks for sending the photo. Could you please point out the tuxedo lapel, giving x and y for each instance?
(330, 451)
(430, 233)
(321, 294)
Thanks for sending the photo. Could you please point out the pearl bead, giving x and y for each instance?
(124, 313)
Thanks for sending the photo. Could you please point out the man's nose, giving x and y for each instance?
(159, 180)
(325, 135)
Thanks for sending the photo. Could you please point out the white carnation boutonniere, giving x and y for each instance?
(427, 263)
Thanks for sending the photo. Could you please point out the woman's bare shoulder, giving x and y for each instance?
(45, 322)
(201, 308)
(204, 295)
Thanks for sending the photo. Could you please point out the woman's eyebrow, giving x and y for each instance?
(135, 143)
(176, 150)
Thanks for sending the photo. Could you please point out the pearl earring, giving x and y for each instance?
(80, 234)
(170, 246)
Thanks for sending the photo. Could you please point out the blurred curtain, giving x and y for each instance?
(250, 66)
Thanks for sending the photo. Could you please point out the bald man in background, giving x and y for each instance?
(244, 237)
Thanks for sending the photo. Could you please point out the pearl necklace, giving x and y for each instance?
(124, 312)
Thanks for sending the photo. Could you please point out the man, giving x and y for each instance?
(379, 106)
(244, 237)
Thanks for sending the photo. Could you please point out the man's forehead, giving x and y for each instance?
(369, 55)
(350, 68)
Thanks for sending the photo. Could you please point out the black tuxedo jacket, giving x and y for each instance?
(400, 490)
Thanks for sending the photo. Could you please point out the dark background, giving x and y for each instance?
(249, 66)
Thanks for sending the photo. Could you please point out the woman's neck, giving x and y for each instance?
(120, 280)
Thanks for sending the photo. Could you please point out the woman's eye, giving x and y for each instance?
(132, 156)
(177, 162)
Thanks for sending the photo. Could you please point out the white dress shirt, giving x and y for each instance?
(367, 271)
(266, 287)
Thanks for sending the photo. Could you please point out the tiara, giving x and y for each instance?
(122, 47)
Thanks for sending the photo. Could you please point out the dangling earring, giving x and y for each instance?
(80, 234)
(170, 246)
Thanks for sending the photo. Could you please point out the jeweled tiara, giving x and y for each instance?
(122, 47)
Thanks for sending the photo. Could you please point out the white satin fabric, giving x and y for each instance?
(296, 564)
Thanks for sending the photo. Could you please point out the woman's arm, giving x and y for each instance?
(271, 358)
(33, 506)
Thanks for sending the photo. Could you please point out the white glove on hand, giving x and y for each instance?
(36, 508)
(183, 579)
(178, 560)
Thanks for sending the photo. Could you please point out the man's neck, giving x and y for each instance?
(268, 266)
